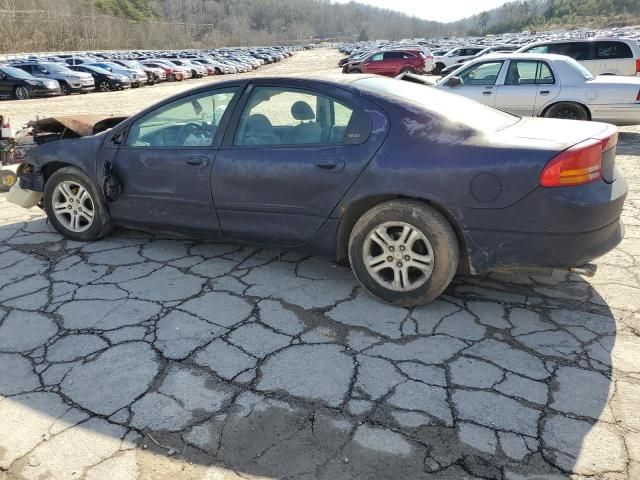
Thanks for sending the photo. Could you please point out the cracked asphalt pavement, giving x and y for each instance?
(150, 357)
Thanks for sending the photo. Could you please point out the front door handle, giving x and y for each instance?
(489, 92)
(197, 161)
(545, 92)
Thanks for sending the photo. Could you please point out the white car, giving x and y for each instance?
(454, 56)
(601, 56)
(542, 85)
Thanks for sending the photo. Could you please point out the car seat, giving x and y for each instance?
(259, 131)
(303, 133)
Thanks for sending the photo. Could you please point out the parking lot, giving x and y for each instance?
(151, 357)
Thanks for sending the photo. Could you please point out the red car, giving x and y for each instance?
(389, 63)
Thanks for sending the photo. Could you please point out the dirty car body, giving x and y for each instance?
(294, 185)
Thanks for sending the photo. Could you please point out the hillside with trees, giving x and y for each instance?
(54, 25)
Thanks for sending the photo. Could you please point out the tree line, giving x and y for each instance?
(56, 25)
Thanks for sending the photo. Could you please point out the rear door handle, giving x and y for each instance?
(488, 92)
(198, 161)
(328, 164)
(545, 92)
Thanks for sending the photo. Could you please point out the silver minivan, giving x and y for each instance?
(601, 56)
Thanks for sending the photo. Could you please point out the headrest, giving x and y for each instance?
(258, 123)
(302, 111)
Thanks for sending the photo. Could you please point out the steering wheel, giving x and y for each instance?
(190, 128)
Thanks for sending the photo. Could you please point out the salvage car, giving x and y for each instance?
(105, 80)
(546, 85)
(407, 184)
(18, 84)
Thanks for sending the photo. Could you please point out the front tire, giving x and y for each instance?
(104, 86)
(567, 111)
(75, 207)
(65, 89)
(21, 93)
(404, 252)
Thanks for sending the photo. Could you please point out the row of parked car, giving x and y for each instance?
(64, 74)
(601, 52)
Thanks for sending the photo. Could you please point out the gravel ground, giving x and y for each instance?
(143, 357)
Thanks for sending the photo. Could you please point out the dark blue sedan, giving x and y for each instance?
(408, 184)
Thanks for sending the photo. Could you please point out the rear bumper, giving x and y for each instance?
(620, 115)
(550, 228)
(514, 251)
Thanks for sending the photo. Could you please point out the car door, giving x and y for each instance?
(374, 64)
(164, 163)
(519, 91)
(479, 81)
(392, 63)
(289, 156)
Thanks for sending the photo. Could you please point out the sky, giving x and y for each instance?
(436, 10)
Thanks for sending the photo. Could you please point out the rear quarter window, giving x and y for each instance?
(608, 50)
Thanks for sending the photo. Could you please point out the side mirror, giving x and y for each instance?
(454, 82)
(46, 72)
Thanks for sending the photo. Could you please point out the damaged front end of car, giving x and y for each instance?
(53, 143)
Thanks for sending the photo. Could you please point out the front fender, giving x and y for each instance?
(77, 152)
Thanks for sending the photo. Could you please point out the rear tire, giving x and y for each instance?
(74, 205)
(404, 252)
(407, 70)
(567, 111)
(438, 68)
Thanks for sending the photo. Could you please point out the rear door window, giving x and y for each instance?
(393, 55)
(580, 51)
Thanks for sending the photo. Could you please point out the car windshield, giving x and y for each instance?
(582, 70)
(15, 72)
(455, 107)
(54, 67)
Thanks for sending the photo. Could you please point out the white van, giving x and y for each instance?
(601, 56)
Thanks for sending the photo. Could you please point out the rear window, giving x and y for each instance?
(455, 107)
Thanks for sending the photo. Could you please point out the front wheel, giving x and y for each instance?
(567, 111)
(65, 88)
(74, 206)
(404, 252)
(104, 86)
(21, 93)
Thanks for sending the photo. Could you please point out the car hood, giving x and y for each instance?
(65, 126)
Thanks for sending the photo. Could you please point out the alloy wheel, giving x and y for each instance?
(22, 93)
(398, 256)
(73, 206)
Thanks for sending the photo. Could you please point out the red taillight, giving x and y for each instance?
(578, 165)
(638, 96)
(638, 65)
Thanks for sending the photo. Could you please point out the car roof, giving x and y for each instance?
(523, 56)
(580, 40)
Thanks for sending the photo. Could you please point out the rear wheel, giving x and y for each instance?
(21, 93)
(74, 206)
(438, 68)
(568, 111)
(403, 252)
(407, 70)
